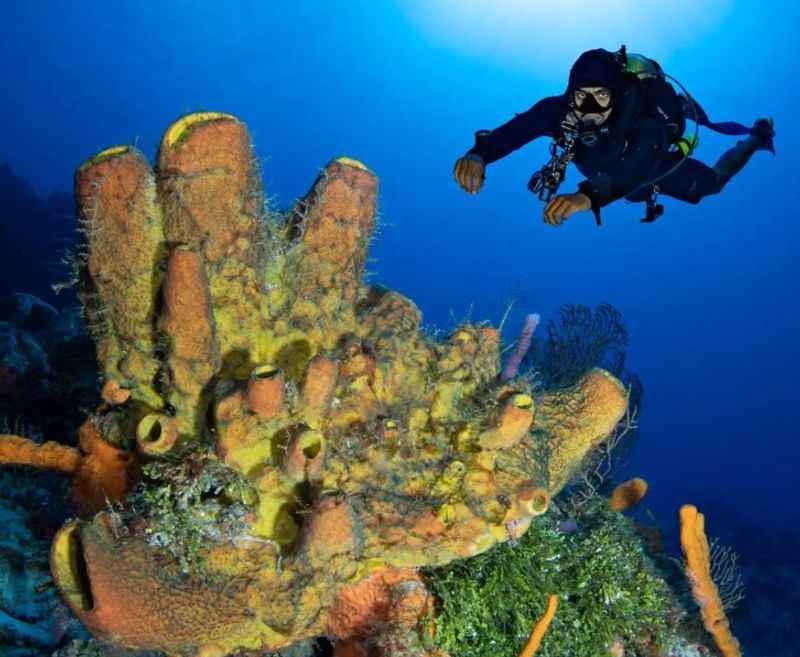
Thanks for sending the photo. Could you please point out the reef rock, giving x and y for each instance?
(305, 448)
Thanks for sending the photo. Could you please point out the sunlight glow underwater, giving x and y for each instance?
(532, 34)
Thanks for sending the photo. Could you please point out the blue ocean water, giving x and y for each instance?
(708, 292)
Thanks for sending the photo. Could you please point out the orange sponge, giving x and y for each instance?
(100, 471)
(540, 628)
(628, 494)
(49, 456)
(698, 569)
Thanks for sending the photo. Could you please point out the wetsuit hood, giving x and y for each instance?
(596, 68)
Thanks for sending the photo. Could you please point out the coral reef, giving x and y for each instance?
(25, 603)
(33, 619)
(46, 362)
(305, 448)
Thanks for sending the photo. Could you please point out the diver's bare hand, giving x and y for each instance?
(470, 172)
(564, 206)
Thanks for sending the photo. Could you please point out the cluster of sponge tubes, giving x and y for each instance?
(257, 343)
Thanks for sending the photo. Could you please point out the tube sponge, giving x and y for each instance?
(698, 569)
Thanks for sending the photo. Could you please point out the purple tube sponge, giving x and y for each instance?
(523, 344)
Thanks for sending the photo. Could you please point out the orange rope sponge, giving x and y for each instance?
(628, 494)
(540, 628)
(50, 455)
(698, 570)
(100, 471)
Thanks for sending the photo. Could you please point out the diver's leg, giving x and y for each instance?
(693, 180)
(690, 182)
(686, 179)
(734, 159)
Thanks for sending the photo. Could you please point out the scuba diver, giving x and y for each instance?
(622, 124)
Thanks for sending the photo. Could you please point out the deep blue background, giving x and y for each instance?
(708, 292)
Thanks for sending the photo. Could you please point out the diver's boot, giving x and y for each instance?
(733, 160)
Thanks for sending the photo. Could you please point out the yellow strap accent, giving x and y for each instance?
(688, 145)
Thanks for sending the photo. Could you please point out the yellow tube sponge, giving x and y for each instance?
(118, 212)
(578, 419)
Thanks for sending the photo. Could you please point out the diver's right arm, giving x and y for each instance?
(540, 120)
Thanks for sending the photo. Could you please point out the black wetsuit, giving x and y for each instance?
(632, 147)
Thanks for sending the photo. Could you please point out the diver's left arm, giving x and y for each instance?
(636, 167)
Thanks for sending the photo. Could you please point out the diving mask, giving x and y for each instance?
(590, 105)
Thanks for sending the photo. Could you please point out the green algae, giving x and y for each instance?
(608, 586)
